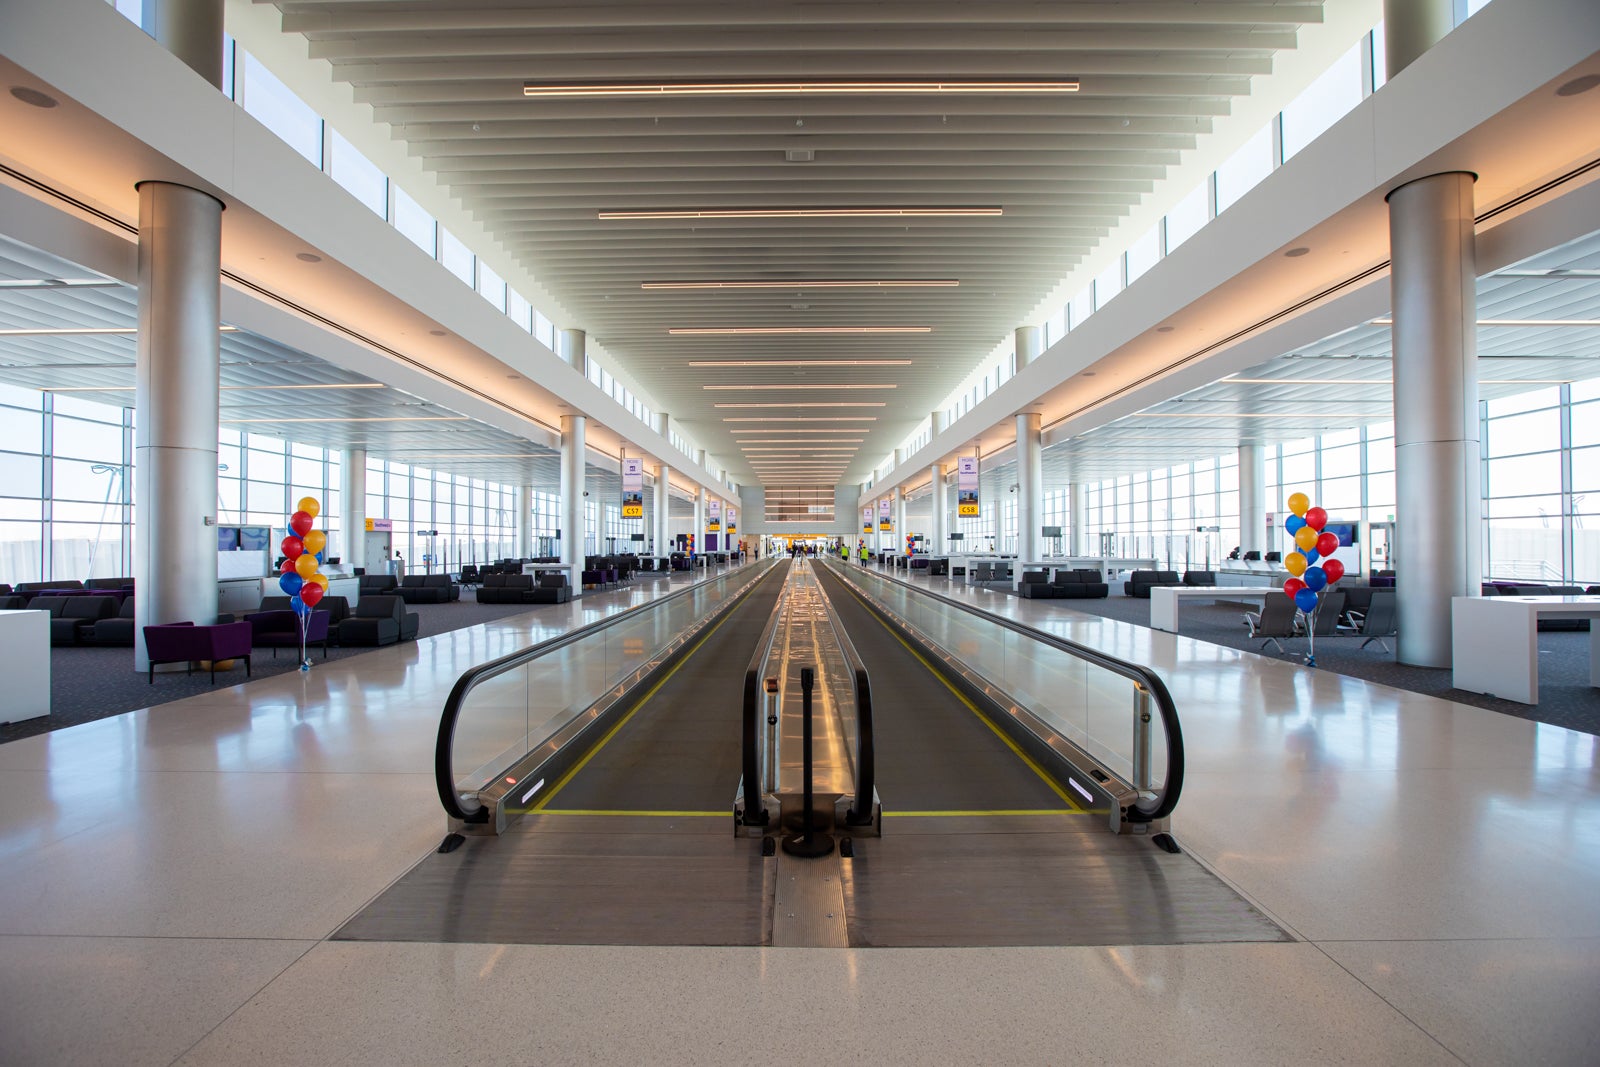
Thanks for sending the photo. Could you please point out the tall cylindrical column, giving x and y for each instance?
(522, 498)
(1433, 286)
(353, 505)
(1252, 499)
(1411, 27)
(573, 428)
(939, 521)
(176, 400)
(190, 30)
(1029, 344)
(897, 540)
(941, 422)
(572, 347)
(1079, 520)
(663, 509)
(1030, 484)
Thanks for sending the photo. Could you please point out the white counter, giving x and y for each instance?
(1494, 642)
(25, 635)
(1165, 599)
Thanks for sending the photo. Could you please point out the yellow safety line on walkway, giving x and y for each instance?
(641, 702)
(959, 695)
(648, 814)
(977, 814)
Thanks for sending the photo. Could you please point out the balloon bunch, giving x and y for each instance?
(911, 544)
(1313, 567)
(301, 576)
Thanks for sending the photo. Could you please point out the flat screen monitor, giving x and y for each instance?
(1052, 531)
(1345, 531)
(227, 538)
(958, 537)
(255, 538)
(637, 537)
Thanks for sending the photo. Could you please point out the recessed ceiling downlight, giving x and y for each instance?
(33, 97)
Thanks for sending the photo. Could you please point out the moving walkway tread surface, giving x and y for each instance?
(981, 848)
(633, 848)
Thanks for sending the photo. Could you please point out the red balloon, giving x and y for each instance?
(1316, 518)
(300, 522)
(1327, 544)
(1292, 586)
(311, 592)
(291, 547)
(1333, 569)
(286, 567)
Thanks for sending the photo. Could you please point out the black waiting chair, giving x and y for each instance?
(1378, 622)
(1274, 621)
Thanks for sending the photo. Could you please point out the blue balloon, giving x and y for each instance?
(290, 583)
(319, 557)
(1310, 554)
(1305, 600)
(299, 606)
(1293, 524)
(1315, 578)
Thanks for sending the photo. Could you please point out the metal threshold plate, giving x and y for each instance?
(670, 888)
(1010, 888)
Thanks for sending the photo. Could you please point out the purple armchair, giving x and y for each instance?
(281, 629)
(184, 642)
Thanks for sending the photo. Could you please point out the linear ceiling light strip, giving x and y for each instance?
(934, 212)
(880, 284)
(879, 87)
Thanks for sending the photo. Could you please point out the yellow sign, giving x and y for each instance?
(967, 510)
(369, 526)
(633, 511)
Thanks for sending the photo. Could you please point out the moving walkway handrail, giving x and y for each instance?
(866, 756)
(1144, 811)
(443, 769)
(754, 813)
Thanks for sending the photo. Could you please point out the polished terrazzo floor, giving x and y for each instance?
(169, 879)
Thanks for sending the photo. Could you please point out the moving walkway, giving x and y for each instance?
(588, 783)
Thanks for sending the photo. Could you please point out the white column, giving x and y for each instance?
(523, 523)
(897, 540)
(663, 509)
(940, 516)
(699, 527)
(1411, 27)
(1079, 520)
(572, 347)
(176, 402)
(572, 476)
(1030, 480)
(353, 505)
(1252, 499)
(1433, 283)
(1029, 344)
(191, 30)
(941, 422)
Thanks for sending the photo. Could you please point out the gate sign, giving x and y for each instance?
(866, 519)
(885, 519)
(633, 488)
(967, 486)
(733, 519)
(714, 516)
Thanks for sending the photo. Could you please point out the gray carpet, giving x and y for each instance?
(1565, 696)
(94, 683)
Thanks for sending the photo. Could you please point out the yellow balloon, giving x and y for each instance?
(1297, 504)
(315, 541)
(1305, 537)
(1295, 564)
(319, 579)
(306, 565)
(309, 505)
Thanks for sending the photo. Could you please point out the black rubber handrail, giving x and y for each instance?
(866, 752)
(1172, 788)
(444, 744)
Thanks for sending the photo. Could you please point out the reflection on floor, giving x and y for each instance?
(170, 880)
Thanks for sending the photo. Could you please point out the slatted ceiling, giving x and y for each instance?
(448, 78)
